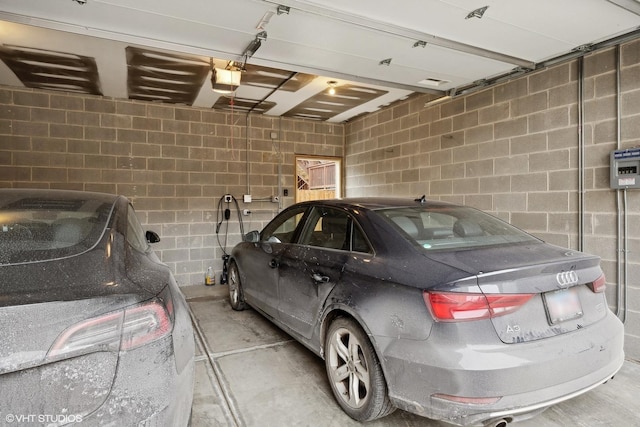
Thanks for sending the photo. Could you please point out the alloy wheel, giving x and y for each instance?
(236, 299)
(348, 368)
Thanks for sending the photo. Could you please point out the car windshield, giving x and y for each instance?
(452, 227)
(45, 228)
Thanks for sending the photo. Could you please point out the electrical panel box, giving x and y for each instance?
(625, 168)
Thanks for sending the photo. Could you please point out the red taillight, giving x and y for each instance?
(123, 330)
(599, 284)
(143, 324)
(458, 306)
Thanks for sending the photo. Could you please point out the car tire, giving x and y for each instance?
(354, 372)
(236, 297)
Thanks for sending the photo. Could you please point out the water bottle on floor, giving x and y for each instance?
(209, 277)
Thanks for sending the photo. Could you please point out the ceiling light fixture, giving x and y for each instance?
(332, 87)
(478, 13)
(432, 81)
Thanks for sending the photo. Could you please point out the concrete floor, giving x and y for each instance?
(250, 373)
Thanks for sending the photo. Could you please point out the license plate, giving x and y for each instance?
(562, 305)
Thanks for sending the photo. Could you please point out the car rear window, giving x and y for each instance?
(44, 228)
(452, 227)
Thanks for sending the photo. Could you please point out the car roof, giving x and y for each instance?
(53, 194)
(374, 203)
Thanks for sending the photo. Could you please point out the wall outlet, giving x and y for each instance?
(246, 212)
(228, 198)
(275, 199)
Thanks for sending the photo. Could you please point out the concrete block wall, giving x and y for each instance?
(512, 149)
(173, 162)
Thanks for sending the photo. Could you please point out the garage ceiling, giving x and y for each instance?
(376, 51)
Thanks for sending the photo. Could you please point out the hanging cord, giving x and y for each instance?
(231, 102)
(223, 215)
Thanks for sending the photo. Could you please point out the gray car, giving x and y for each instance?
(440, 310)
(95, 330)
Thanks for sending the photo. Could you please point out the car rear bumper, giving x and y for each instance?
(68, 389)
(148, 390)
(526, 377)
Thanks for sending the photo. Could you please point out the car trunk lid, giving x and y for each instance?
(559, 280)
(51, 303)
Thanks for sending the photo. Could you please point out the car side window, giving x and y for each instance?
(358, 242)
(333, 229)
(326, 228)
(135, 232)
(282, 230)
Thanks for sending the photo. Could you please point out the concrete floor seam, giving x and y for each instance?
(249, 349)
(220, 386)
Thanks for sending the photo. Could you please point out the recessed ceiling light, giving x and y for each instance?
(332, 86)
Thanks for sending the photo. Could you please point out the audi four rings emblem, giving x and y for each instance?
(567, 278)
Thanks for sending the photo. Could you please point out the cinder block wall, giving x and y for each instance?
(512, 149)
(173, 162)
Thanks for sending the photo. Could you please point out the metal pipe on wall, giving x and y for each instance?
(621, 205)
(248, 148)
(619, 220)
(280, 159)
(626, 259)
(581, 209)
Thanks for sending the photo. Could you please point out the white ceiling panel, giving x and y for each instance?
(514, 27)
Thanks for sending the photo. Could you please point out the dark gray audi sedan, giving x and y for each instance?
(437, 309)
(94, 328)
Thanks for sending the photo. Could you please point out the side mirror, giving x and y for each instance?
(152, 236)
(252, 237)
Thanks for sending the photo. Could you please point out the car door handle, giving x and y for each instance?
(274, 264)
(319, 278)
